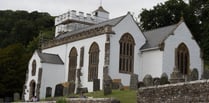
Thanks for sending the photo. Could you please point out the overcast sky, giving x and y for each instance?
(57, 7)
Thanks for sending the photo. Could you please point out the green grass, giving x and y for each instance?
(125, 96)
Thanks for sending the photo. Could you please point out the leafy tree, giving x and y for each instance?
(13, 64)
(195, 14)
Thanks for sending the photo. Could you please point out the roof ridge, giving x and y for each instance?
(161, 27)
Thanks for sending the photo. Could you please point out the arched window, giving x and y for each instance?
(33, 72)
(93, 62)
(183, 59)
(72, 64)
(126, 60)
(32, 89)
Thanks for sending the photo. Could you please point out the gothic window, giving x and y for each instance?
(72, 64)
(126, 60)
(183, 59)
(81, 56)
(93, 62)
(33, 72)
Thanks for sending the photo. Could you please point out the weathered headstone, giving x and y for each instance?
(107, 87)
(194, 75)
(156, 81)
(58, 90)
(176, 76)
(71, 87)
(16, 96)
(164, 79)
(205, 74)
(148, 81)
(116, 83)
(48, 91)
(96, 84)
(134, 82)
(82, 90)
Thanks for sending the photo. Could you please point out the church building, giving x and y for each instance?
(89, 47)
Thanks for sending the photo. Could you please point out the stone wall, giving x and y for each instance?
(92, 100)
(188, 92)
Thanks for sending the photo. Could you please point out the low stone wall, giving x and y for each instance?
(92, 100)
(188, 92)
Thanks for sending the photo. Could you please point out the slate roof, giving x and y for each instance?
(156, 36)
(50, 58)
(111, 22)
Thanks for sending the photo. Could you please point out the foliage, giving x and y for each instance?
(20, 35)
(195, 14)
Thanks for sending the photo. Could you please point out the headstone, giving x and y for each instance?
(156, 81)
(58, 90)
(148, 81)
(176, 76)
(48, 91)
(82, 90)
(116, 83)
(164, 79)
(141, 84)
(205, 74)
(107, 87)
(134, 82)
(71, 87)
(96, 84)
(16, 96)
(194, 75)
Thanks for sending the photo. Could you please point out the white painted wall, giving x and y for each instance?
(52, 75)
(181, 34)
(64, 50)
(30, 77)
(151, 63)
(127, 25)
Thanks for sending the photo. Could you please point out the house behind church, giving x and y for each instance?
(92, 46)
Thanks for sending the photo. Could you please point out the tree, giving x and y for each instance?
(195, 14)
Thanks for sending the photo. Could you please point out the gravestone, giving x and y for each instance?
(134, 82)
(176, 76)
(82, 90)
(148, 81)
(71, 87)
(58, 90)
(194, 75)
(48, 91)
(164, 79)
(16, 96)
(116, 83)
(96, 84)
(107, 87)
(156, 81)
(205, 74)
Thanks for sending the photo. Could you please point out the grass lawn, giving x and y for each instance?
(125, 96)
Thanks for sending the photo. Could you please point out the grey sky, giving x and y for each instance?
(57, 7)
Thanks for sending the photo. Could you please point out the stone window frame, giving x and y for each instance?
(126, 53)
(34, 65)
(72, 64)
(93, 61)
(182, 59)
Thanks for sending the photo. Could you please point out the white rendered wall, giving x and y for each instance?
(30, 77)
(52, 74)
(127, 25)
(181, 35)
(64, 50)
(151, 63)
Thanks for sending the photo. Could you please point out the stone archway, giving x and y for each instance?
(32, 89)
